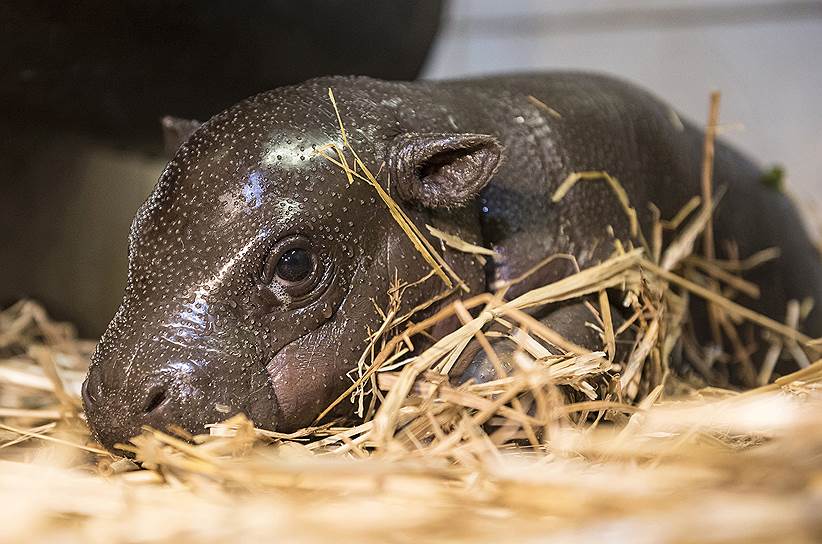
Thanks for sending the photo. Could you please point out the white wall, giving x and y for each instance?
(765, 57)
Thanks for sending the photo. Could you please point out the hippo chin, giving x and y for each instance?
(254, 266)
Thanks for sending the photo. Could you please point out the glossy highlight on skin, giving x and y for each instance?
(208, 329)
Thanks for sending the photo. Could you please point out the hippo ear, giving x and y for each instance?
(442, 170)
(176, 131)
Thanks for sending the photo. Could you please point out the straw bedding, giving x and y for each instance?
(569, 445)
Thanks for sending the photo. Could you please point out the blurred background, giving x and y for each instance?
(83, 86)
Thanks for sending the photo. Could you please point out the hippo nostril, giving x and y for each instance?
(156, 397)
(92, 388)
(88, 397)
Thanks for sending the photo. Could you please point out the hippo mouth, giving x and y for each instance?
(306, 375)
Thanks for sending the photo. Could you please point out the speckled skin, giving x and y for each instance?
(201, 334)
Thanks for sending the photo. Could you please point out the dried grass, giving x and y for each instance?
(567, 445)
(442, 463)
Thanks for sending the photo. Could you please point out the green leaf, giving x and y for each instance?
(774, 178)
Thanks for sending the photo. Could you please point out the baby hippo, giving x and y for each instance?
(255, 266)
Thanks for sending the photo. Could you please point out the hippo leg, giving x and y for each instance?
(568, 320)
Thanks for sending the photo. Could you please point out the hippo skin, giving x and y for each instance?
(254, 266)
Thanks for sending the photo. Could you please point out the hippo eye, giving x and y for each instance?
(294, 265)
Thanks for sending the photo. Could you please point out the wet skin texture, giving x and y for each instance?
(254, 266)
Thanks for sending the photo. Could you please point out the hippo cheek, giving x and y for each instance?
(306, 378)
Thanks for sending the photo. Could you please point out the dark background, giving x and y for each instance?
(83, 86)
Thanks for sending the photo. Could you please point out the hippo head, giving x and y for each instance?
(255, 267)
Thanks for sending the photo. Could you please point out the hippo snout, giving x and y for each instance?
(191, 389)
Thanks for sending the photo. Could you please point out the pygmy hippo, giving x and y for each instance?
(255, 266)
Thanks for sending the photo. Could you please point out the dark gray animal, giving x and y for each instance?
(254, 263)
